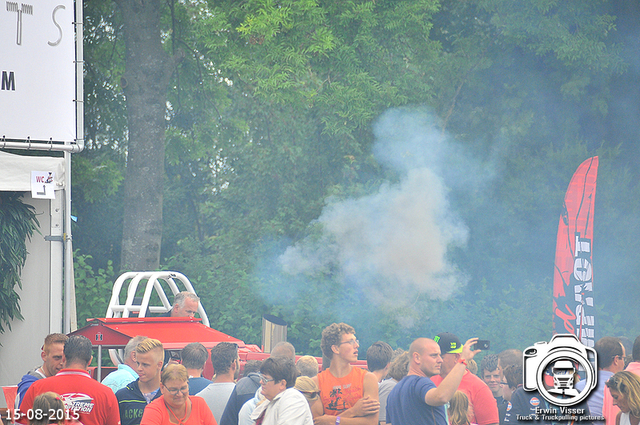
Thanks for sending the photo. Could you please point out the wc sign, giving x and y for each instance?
(43, 185)
(37, 70)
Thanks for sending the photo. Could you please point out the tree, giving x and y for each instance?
(271, 112)
(145, 83)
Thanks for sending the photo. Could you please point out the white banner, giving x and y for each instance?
(37, 70)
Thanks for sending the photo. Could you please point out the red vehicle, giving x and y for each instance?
(125, 319)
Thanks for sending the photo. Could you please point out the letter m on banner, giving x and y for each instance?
(573, 307)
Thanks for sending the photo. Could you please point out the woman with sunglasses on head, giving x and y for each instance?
(308, 388)
(176, 406)
(625, 391)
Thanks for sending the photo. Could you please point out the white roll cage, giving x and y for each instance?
(153, 279)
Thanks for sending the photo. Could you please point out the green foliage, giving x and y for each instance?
(17, 222)
(97, 176)
(93, 287)
(94, 181)
(104, 109)
(271, 112)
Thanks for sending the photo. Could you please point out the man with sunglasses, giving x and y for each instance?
(349, 394)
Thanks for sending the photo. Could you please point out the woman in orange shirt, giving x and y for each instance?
(176, 406)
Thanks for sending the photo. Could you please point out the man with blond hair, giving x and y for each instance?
(126, 372)
(348, 395)
(133, 398)
(53, 361)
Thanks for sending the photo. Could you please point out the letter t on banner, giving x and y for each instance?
(573, 271)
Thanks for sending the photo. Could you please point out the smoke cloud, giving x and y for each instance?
(394, 243)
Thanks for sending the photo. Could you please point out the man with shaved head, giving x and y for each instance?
(415, 400)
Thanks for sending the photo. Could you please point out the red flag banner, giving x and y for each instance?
(573, 307)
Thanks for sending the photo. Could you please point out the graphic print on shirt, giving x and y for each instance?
(339, 398)
(78, 402)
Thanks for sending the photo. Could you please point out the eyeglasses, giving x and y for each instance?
(353, 342)
(263, 378)
(175, 391)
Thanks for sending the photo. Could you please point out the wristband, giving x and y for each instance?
(337, 420)
(463, 361)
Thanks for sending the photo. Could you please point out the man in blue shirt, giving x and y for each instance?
(126, 373)
(415, 400)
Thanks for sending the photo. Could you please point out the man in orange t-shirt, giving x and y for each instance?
(349, 394)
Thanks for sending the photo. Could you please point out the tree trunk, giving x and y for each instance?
(145, 84)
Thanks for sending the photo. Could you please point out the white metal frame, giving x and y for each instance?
(153, 278)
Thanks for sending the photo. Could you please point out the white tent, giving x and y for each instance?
(43, 276)
(41, 102)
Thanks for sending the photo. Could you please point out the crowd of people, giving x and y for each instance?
(435, 382)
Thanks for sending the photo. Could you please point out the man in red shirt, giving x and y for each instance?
(483, 409)
(84, 398)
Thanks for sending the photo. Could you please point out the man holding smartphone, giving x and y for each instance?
(415, 400)
(483, 407)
